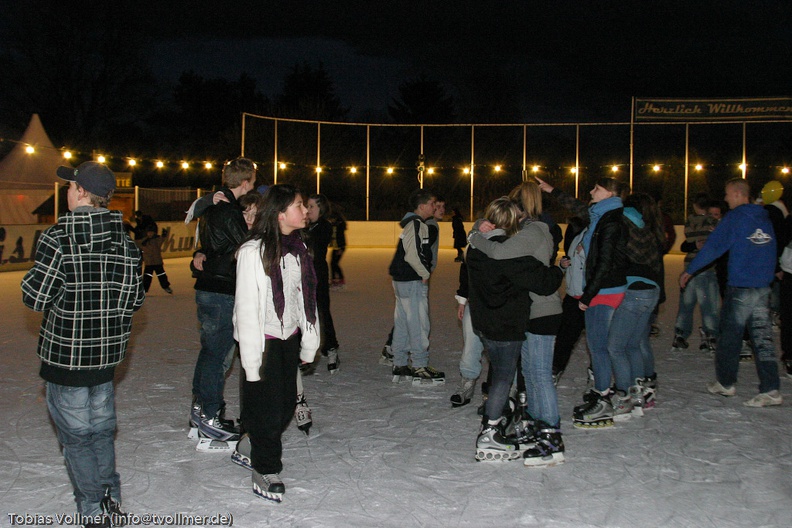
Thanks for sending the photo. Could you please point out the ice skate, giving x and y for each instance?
(425, 375)
(638, 397)
(111, 508)
(525, 433)
(302, 415)
(268, 487)
(241, 454)
(623, 406)
(597, 414)
(401, 373)
(464, 392)
(589, 396)
(679, 344)
(332, 360)
(386, 357)
(649, 390)
(216, 434)
(492, 445)
(707, 341)
(195, 413)
(548, 449)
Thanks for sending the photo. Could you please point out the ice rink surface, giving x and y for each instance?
(393, 455)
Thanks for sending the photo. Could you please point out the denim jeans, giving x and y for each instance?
(598, 319)
(411, 323)
(503, 356)
(746, 308)
(470, 362)
(85, 420)
(537, 368)
(215, 311)
(628, 339)
(702, 289)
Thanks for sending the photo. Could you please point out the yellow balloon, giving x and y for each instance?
(772, 191)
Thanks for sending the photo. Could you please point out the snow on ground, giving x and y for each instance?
(387, 455)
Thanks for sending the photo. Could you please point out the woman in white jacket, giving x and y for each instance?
(276, 325)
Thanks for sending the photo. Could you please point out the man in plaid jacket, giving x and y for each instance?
(86, 280)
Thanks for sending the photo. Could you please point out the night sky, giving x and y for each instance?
(507, 60)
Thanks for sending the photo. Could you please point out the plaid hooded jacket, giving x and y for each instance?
(86, 279)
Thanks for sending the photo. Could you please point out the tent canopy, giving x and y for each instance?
(27, 180)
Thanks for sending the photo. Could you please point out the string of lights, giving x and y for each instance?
(161, 163)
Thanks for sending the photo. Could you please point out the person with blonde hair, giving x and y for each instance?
(540, 421)
(500, 307)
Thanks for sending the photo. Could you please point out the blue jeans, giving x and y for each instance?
(470, 362)
(746, 308)
(215, 311)
(503, 356)
(628, 339)
(537, 367)
(702, 289)
(85, 420)
(598, 319)
(411, 324)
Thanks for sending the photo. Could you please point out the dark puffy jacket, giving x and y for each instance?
(606, 262)
(222, 230)
(500, 304)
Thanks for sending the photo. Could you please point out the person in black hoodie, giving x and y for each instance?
(222, 229)
(500, 305)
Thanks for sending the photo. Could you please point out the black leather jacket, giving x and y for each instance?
(606, 262)
(222, 229)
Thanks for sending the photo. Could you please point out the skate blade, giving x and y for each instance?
(193, 433)
(385, 361)
(456, 404)
(626, 417)
(208, 445)
(546, 461)
(268, 495)
(424, 381)
(399, 379)
(496, 455)
(241, 460)
(603, 424)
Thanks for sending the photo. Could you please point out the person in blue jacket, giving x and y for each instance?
(747, 234)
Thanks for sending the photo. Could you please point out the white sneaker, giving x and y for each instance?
(716, 388)
(763, 399)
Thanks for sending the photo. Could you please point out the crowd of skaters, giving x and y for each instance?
(262, 284)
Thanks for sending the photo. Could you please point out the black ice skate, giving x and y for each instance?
(268, 487)
(548, 450)
(679, 344)
(428, 375)
(332, 360)
(401, 373)
(111, 508)
(302, 415)
(386, 358)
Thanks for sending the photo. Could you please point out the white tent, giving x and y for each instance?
(27, 180)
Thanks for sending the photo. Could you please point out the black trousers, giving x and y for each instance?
(270, 402)
(573, 321)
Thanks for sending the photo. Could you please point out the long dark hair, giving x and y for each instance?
(647, 206)
(276, 200)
